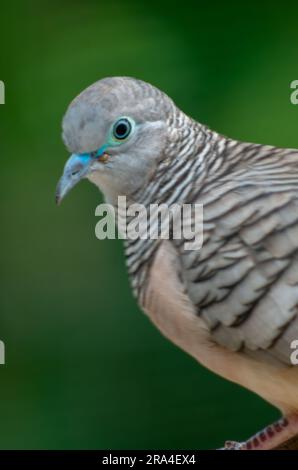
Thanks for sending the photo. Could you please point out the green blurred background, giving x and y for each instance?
(84, 367)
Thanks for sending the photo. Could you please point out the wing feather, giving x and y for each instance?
(244, 281)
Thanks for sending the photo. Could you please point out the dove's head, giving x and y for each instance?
(116, 131)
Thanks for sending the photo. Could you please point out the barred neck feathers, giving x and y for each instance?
(192, 151)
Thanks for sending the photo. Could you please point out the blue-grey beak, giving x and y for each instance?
(76, 168)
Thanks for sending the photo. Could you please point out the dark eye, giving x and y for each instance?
(122, 129)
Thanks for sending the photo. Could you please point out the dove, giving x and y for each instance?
(232, 304)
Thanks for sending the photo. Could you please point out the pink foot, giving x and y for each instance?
(270, 437)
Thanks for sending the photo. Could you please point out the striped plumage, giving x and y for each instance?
(233, 305)
(250, 198)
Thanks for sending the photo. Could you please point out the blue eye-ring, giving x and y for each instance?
(122, 129)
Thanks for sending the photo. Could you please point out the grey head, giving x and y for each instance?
(116, 131)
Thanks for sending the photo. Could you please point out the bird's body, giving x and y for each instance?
(233, 304)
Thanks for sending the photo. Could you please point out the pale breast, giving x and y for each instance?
(170, 309)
